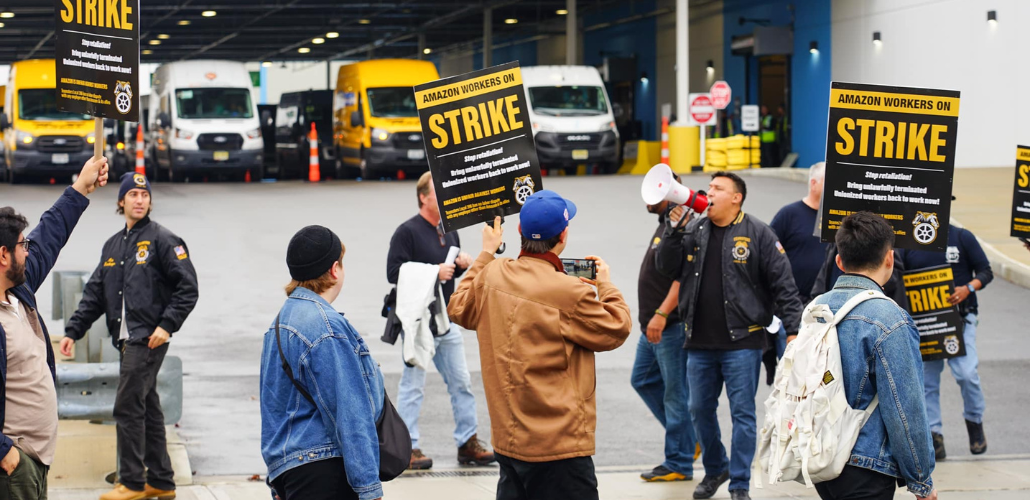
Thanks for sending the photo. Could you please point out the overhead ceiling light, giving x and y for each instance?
(813, 47)
(332, 34)
(710, 66)
(303, 50)
(364, 21)
(155, 42)
(209, 13)
(511, 20)
(876, 38)
(992, 16)
(6, 15)
(427, 50)
(562, 12)
(266, 64)
(318, 41)
(147, 52)
(163, 36)
(183, 22)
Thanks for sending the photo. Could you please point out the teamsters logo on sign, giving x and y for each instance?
(479, 144)
(891, 151)
(97, 53)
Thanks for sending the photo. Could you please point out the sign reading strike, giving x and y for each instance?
(479, 144)
(701, 110)
(891, 151)
(721, 94)
(939, 323)
(1021, 195)
(98, 58)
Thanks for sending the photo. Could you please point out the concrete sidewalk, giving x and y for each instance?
(997, 478)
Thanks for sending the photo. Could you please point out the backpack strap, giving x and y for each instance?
(286, 366)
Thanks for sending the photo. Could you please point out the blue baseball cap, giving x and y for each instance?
(545, 215)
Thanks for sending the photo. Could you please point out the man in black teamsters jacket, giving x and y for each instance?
(733, 276)
(146, 285)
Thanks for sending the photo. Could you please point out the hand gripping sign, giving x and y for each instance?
(479, 143)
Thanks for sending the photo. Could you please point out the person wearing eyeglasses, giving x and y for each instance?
(28, 398)
(421, 239)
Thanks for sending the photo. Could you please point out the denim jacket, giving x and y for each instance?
(879, 350)
(331, 361)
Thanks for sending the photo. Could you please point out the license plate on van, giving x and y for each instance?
(580, 154)
(59, 158)
(221, 156)
(416, 154)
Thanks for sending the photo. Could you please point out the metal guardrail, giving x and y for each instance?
(86, 388)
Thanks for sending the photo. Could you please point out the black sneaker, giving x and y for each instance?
(664, 474)
(977, 440)
(740, 495)
(938, 446)
(709, 485)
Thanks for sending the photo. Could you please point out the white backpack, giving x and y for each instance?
(809, 428)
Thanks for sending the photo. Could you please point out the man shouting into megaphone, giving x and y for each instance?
(733, 277)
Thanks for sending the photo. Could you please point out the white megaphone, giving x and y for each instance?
(660, 184)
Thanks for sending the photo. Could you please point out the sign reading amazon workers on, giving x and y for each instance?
(98, 58)
(891, 151)
(1021, 194)
(939, 323)
(479, 143)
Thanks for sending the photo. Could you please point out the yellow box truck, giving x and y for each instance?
(39, 139)
(376, 129)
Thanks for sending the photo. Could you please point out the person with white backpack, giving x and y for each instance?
(847, 412)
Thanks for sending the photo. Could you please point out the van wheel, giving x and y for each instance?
(366, 172)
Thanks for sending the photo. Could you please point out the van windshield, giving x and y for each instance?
(568, 100)
(41, 104)
(392, 102)
(199, 104)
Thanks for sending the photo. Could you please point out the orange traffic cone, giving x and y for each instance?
(665, 140)
(314, 172)
(141, 166)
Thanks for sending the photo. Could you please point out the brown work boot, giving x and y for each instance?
(419, 461)
(153, 492)
(473, 453)
(120, 492)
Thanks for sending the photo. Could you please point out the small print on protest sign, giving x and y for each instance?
(97, 53)
(891, 151)
(1021, 195)
(479, 144)
(939, 323)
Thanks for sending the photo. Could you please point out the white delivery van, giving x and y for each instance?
(203, 119)
(572, 117)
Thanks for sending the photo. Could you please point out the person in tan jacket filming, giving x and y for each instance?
(538, 331)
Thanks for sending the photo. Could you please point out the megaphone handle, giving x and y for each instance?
(501, 248)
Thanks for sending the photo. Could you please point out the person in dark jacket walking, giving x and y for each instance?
(147, 286)
(28, 394)
(733, 276)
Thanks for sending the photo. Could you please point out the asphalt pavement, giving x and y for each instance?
(237, 236)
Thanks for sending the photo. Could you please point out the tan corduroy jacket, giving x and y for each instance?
(538, 330)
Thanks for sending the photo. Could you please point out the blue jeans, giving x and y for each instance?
(450, 362)
(781, 342)
(660, 378)
(707, 371)
(965, 373)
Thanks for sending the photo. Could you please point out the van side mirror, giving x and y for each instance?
(163, 121)
(4, 122)
(356, 120)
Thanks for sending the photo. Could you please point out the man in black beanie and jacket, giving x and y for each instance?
(147, 286)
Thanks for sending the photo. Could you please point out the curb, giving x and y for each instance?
(1002, 265)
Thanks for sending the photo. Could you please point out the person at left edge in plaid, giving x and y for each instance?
(146, 286)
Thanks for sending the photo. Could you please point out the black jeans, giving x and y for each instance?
(321, 480)
(856, 483)
(141, 423)
(572, 478)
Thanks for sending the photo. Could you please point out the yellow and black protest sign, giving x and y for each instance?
(1021, 195)
(479, 143)
(940, 324)
(891, 151)
(97, 53)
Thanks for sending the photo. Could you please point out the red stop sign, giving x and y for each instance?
(721, 94)
(701, 109)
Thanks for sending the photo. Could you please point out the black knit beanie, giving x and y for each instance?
(312, 252)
